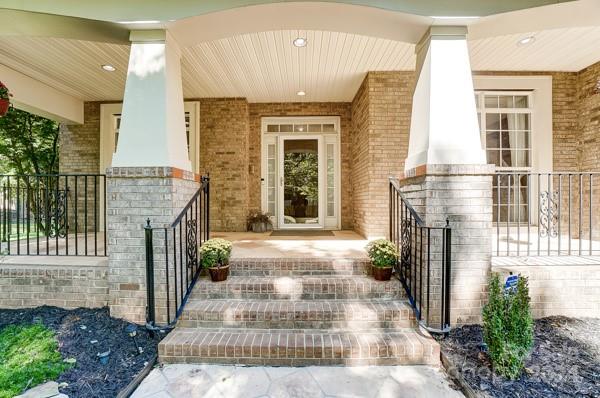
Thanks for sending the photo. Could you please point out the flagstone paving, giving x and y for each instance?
(219, 381)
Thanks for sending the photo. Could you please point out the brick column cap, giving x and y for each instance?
(449, 170)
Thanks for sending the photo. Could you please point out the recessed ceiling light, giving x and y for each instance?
(301, 93)
(300, 42)
(109, 68)
(526, 40)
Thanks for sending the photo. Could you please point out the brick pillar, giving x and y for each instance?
(463, 195)
(135, 194)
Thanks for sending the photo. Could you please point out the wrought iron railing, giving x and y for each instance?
(546, 214)
(424, 263)
(53, 214)
(172, 265)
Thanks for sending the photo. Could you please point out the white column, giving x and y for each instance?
(444, 128)
(152, 131)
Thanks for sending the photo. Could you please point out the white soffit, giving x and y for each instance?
(266, 67)
(71, 66)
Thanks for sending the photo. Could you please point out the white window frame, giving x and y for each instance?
(329, 223)
(541, 105)
(483, 111)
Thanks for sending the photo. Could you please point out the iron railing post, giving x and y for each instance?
(150, 307)
(448, 278)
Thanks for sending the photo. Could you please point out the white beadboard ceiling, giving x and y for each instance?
(265, 66)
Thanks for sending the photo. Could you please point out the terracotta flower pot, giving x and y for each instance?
(219, 274)
(4, 105)
(382, 273)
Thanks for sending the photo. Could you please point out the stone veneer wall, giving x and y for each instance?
(224, 154)
(380, 128)
(341, 109)
(28, 282)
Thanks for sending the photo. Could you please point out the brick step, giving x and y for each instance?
(298, 347)
(298, 288)
(299, 266)
(304, 314)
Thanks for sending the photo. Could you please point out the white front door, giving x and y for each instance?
(301, 172)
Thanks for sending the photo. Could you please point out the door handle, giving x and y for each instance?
(281, 181)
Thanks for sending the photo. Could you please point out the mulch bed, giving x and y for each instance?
(565, 361)
(82, 334)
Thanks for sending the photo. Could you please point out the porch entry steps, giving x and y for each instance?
(301, 314)
(296, 312)
(298, 347)
(298, 288)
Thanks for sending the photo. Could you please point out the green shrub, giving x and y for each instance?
(215, 252)
(382, 252)
(28, 356)
(508, 327)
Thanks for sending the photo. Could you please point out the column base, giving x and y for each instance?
(462, 194)
(135, 194)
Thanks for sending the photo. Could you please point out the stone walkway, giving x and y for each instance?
(212, 381)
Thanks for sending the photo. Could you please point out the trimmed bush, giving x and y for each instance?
(215, 252)
(382, 253)
(508, 327)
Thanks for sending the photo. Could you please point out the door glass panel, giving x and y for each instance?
(271, 187)
(301, 181)
(330, 181)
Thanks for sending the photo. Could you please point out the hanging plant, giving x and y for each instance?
(4, 99)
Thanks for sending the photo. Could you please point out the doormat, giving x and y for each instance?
(302, 232)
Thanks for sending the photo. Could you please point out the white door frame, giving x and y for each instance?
(280, 185)
(328, 137)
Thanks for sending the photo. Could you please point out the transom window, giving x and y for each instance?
(301, 128)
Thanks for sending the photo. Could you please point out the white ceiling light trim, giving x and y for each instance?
(301, 93)
(300, 42)
(109, 68)
(526, 40)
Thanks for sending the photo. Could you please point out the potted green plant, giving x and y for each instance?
(258, 221)
(214, 255)
(383, 255)
(4, 99)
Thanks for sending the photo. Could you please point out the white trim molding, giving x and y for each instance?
(541, 111)
(36, 97)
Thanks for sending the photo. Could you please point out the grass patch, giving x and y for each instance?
(28, 356)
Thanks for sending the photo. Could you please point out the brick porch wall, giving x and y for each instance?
(31, 282)
(380, 128)
(341, 109)
(375, 128)
(224, 154)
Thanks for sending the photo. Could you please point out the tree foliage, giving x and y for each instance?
(301, 172)
(28, 143)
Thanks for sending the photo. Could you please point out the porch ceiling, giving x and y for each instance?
(265, 66)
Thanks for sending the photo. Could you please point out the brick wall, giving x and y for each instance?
(341, 109)
(224, 153)
(31, 282)
(134, 194)
(568, 290)
(79, 148)
(463, 195)
(381, 125)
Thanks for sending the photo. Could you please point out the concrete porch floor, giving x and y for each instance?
(343, 244)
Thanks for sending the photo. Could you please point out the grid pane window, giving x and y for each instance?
(505, 123)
